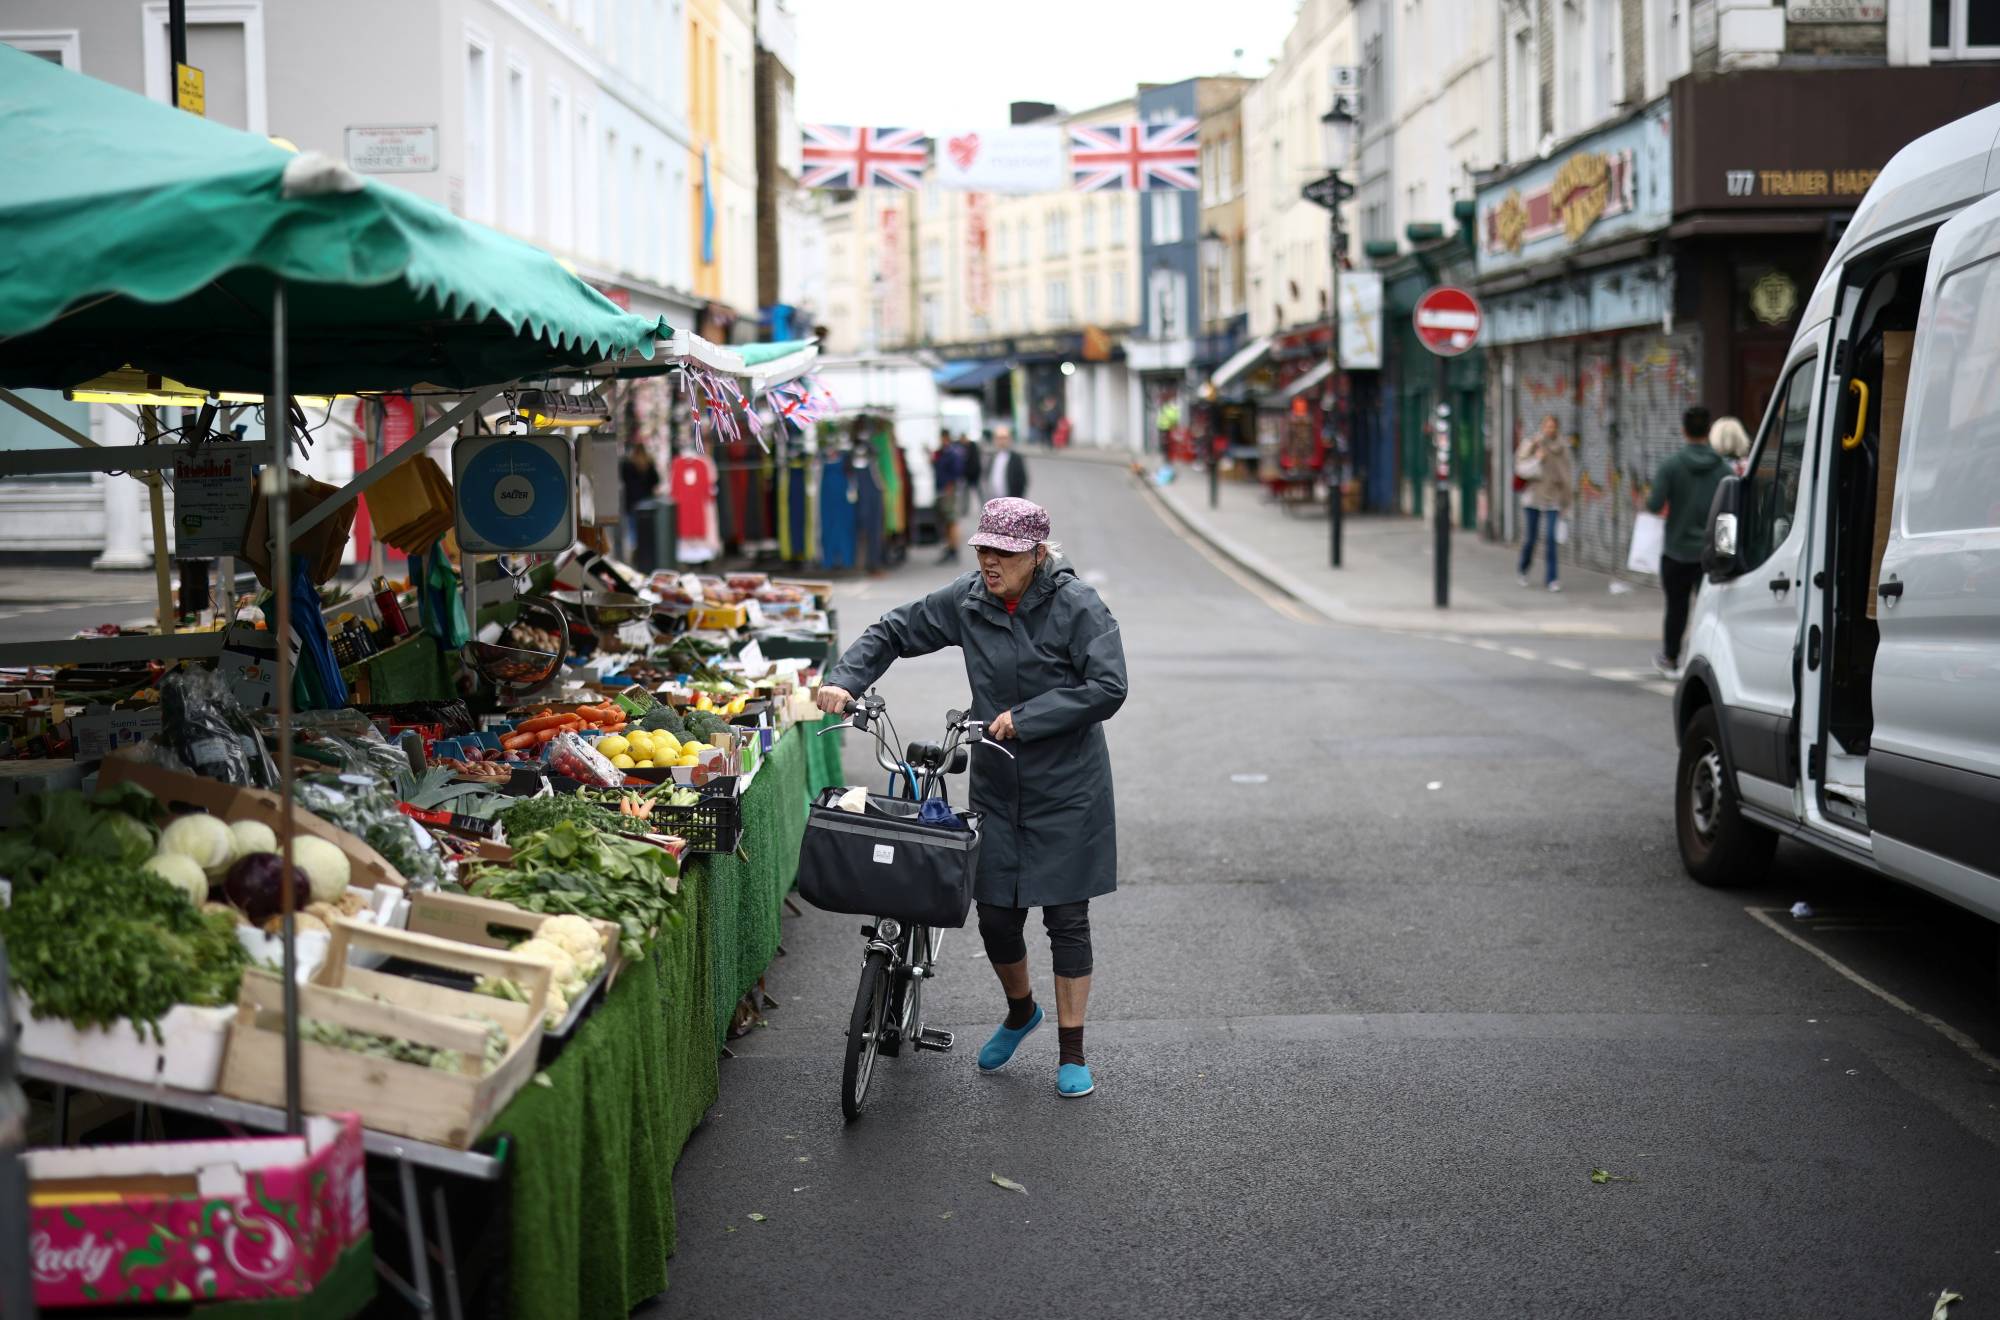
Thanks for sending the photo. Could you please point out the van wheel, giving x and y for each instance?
(1718, 847)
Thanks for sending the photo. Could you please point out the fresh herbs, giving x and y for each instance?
(98, 941)
(574, 867)
(364, 805)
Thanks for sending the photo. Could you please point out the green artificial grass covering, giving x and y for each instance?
(591, 1156)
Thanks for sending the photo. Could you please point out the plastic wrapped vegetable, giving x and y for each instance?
(569, 755)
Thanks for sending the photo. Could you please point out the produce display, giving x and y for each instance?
(95, 941)
(114, 826)
(365, 806)
(379, 1046)
(573, 951)
(578, 868)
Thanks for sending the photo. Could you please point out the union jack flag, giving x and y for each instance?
(836, 156)
(1137, 157)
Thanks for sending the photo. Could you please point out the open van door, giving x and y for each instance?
(1934, 760)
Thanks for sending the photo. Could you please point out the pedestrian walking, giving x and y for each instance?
(1684, 487)
(953, 478)
(1006, 471)
(1046, 667)
(1543, 463)
(1727, 437)
(638, 479)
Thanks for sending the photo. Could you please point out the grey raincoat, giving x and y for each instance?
(1049, 834)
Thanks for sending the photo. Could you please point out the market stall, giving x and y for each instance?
(479, 932)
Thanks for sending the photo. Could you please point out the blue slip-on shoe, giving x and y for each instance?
(1000, 1047)
(1073, 1081)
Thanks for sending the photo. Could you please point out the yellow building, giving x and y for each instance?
(722, 166)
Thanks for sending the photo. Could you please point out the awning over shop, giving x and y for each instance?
(971, 375)
(1310, 381)
(1243, 360)
(133, 232)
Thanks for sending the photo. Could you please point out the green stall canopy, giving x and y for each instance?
(134, 233)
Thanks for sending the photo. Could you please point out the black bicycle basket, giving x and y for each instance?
(886, 863)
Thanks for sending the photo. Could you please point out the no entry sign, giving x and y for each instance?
(1447, 320)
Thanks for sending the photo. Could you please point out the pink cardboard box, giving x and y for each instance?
(195, 1220)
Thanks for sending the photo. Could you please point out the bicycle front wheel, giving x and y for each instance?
(864, 1033)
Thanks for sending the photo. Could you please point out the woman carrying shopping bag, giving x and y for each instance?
(1542, 463)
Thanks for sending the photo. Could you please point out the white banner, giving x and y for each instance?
(1360, 320)
(1019, 159)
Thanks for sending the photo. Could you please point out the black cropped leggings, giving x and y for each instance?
(1068, 925)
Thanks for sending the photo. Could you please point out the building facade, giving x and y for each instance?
(1682, 188)
(536, 116)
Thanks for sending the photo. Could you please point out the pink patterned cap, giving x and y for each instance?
(1012, 525)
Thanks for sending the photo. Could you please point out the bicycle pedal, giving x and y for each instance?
(933, 1038)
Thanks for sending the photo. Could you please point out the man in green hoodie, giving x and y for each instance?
(1684, 486)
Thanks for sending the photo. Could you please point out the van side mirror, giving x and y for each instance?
(1721, 552)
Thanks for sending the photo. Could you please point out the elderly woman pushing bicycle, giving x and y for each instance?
(1047, 668)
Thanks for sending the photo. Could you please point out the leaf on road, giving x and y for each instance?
(543, 1079)
(945, 1215)
(756, 1218)
(1601, 1176)
(1942, 1309)
(1008, 1183)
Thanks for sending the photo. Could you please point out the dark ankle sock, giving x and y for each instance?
(1070, 1041)
(1019, 1011)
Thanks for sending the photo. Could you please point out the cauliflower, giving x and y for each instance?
(558, 959)
(578, 937)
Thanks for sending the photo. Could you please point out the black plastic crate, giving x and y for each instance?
(712, 825)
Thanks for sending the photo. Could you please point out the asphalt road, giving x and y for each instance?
(1402, 952)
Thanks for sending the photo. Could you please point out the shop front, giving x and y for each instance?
(1762, 191)
(1589, 320)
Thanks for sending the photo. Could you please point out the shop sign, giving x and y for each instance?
(1757, 139)
(211, 502)
(1837, 11)
(1614, 183)
(1360, 320)
(409, 149)
(1774, 297)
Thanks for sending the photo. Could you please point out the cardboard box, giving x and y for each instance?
(322, 548)
(104, 730)
(1896, 346)
(184, 792)
(195, 1220)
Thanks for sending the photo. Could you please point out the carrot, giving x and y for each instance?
(515, 742)
(539, 723)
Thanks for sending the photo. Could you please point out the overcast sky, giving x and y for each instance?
(957, 63)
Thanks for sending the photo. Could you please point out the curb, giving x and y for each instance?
(1253, 564)
(1123, 458)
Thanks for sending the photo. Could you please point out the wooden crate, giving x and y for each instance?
(180, 793)
(483, 921)
(450, 1109)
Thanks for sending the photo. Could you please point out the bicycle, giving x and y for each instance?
(900, 956)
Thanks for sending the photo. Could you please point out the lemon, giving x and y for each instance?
(665, 744)
(611, 744)
(688, 758)
(622, 761)
(640, 743)
(644, 765)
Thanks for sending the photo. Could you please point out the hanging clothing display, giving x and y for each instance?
(837, 500)
(870, 509)
(796, 531)
(889, 478)
(692, 481)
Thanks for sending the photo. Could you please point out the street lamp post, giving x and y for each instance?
(1337, 125)
(1213, 250)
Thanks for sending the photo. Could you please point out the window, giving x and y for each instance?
(1572, 64)
(1225, 169)
(562, 220)
(1117, 214)
(583, 160)
(932, 318)
(1951, 458)
(933, 260)
(61, 48)
(1059, 302)
(1006, 321)
(1120, 308)
(1965, 30)
(1607, 84)
(478, 131)
(1058, 234)
(518, 168)
(1021, 245)
(1771, 487)
(656, 222)
(609, 230)
(1278, 166)
(1166, 204)
(1090, 296)
(1090, 224)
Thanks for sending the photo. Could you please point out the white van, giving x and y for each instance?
(1842, 680)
